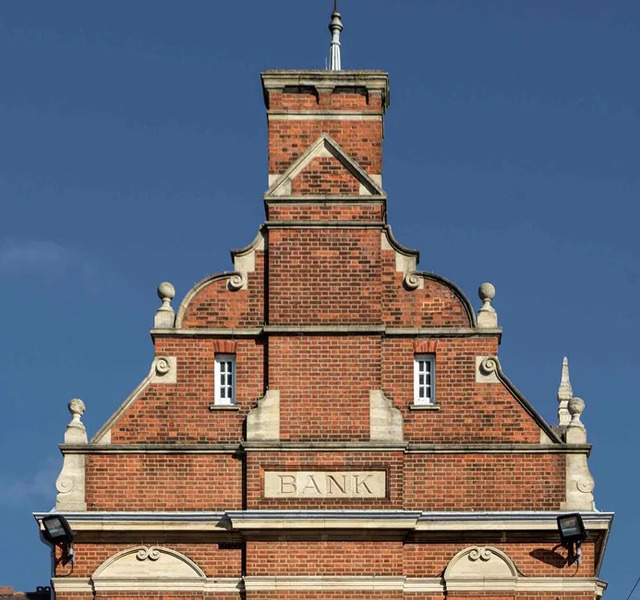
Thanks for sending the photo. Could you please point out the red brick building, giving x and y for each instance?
(326, 421)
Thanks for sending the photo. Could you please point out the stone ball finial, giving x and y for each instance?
(76, 408)
(166, 291)
(576, 408)
(164, 315)
(487, 316)
(487, 292)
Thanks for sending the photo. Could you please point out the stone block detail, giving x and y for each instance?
(485, 373)
(164, 369)
(386, 422)
(579, 481)
(263, 421)
(71, 481)
(579, 484)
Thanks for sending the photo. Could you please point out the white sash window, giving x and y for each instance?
(424, 379)
(225, 379)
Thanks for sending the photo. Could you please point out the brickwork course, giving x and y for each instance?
(324, 477)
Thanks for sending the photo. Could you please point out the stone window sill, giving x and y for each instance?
(424, 407)
(224, 407)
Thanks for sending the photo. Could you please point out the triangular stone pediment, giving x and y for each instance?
(324, 168)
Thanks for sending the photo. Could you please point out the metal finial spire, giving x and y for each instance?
(335, 27)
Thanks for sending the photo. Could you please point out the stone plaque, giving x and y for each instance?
(325, 484)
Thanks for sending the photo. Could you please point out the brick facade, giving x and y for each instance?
(324, 314)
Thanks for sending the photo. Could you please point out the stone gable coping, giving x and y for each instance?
(394, 244)
(256, 244)
(491, 364)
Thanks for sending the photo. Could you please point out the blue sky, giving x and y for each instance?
(133, 150)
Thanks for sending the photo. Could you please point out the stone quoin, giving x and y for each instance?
(324, 420)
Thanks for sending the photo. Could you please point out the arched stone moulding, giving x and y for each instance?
(236, 281)
(244, 262)
(480, 568)
(480, 562)
(455, 290)
(148, 568)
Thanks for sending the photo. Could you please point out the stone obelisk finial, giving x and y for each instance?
(565, 393)
(335, 27)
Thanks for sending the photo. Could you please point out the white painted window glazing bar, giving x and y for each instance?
(225, 379)
(424, 379)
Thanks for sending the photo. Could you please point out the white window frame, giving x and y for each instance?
(225, 392)
(428, 384)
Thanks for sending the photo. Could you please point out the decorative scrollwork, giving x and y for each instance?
(412, 281)
(163, 366)
(64, 484)
(489, 365)
(585, 485)
(148, 553)
(480, 553)
(237, 282)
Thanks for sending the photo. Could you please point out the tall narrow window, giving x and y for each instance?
(225, 379)
(424, 379)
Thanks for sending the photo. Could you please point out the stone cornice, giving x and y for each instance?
(372, 80)
(327, 519)
(436, 525)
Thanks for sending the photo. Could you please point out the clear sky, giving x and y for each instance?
(133, 150)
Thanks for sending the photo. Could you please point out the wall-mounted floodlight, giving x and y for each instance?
(59, 533)
(572, 534)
